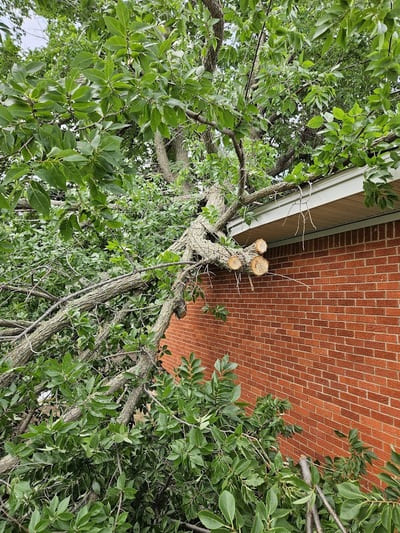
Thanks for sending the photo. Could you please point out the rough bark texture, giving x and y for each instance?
(215, 9)
(21, 354)
(162, 157)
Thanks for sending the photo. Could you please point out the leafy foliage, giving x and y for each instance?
(299, 90)
(193, 455)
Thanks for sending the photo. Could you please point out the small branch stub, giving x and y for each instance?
(260, 246)
(180, 309)
(234, 263)
(259, 265)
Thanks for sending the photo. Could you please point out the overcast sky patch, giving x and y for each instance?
(33, 31)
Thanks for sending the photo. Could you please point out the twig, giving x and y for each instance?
(311, 509)
(198, 529)
(330, 509)
(154, 399)
(41, 293)
(21, 324)
(12, 519)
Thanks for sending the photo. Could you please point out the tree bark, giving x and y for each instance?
(21, 354)
(162, 157)
(312, 509)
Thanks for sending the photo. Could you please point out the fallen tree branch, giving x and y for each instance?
(157, 333)
(311, 509)
(90, 288)
(330, 509)
(162, 157)
(99, 293)
(9, 332)
(141, 370)
(40, 293)
(21, 324)
(21, 354)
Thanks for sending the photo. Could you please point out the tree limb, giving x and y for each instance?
(162, 157)
(40, 293)
(21, 324)
(216, 12)
(330, 509)
(210, 62)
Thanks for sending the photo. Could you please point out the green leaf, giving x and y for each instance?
(316, 122)
(122, 12)
(271, 501)
(4, 204)
(53, 176)
(226, 503)
(114, 26)
(76, 158)
(321, 30)
(386, 517)
(66, 229)
(349, 491)
(349, 510)
(38, 198)
(15, 172)
(304, 499)
(35, 518)
(338, 113)
(211, 520)
(95, 75)
(5, 116)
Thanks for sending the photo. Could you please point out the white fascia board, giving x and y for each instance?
(365, 223)
(310, 196)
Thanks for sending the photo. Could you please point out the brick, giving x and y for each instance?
(331, 348)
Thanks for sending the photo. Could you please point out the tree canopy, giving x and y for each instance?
(127, 144)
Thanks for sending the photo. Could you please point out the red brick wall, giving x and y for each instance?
(327, 338)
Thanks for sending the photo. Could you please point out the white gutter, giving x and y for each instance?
(342, 185)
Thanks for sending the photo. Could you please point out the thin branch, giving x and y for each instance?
(21, 324)
(40, 293)
(12, 519)
(238, 146)
(197, 529)
(198, 117)
(330, 509)
(260, 42)
(312, 509)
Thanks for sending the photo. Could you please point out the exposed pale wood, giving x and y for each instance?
(259, 265)
(234, 263)
(259, 247)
